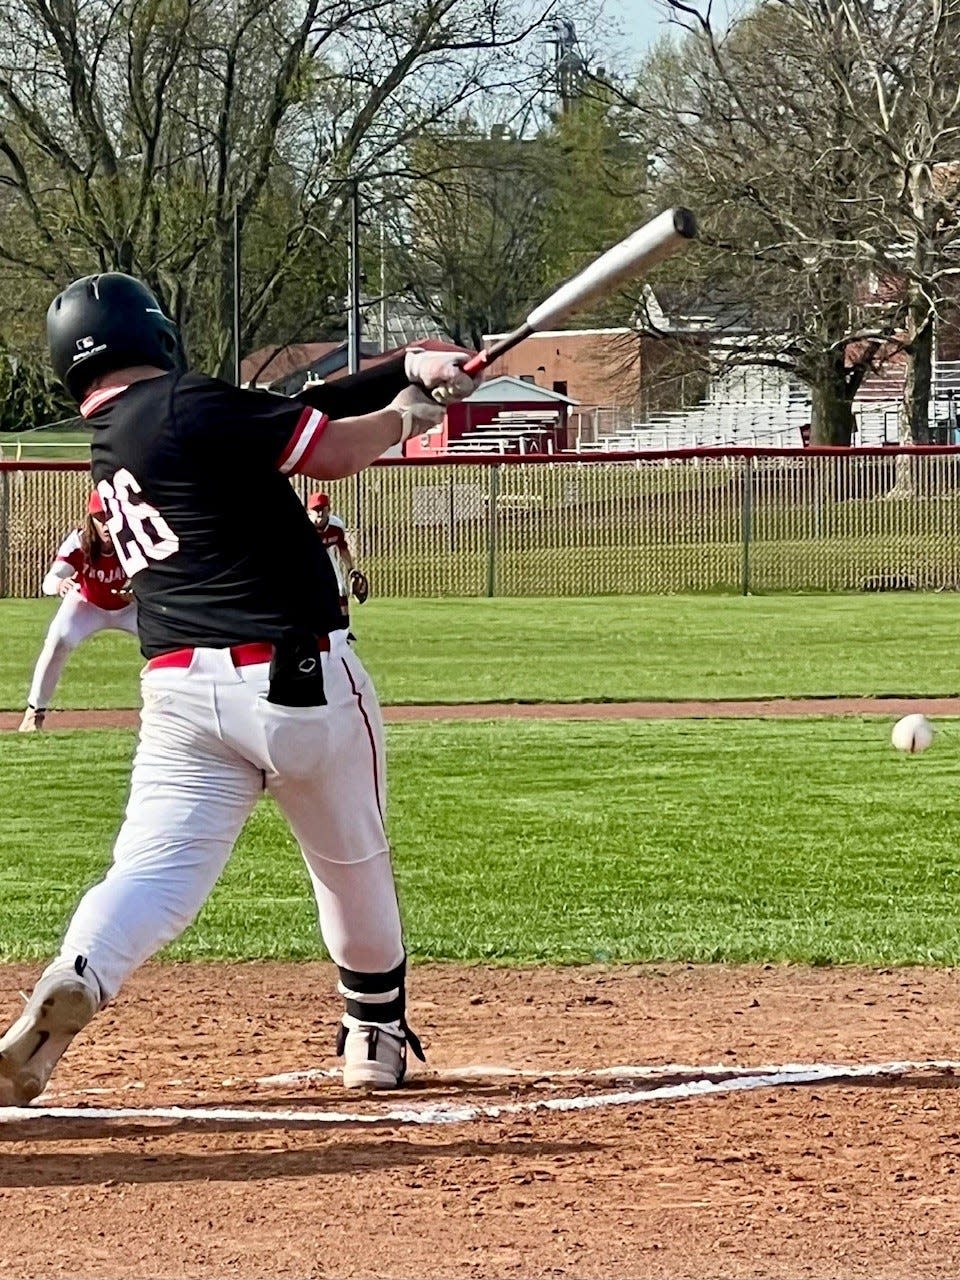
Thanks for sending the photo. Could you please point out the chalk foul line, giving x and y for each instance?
(738, 1080)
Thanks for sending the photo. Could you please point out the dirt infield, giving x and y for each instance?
(691, 710)
(841, 1178)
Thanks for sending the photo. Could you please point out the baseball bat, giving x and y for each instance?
(640, 251)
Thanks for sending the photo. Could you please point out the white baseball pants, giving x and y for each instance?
(210, 745)
(75, 621)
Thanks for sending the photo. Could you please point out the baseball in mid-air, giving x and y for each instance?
(912, 733)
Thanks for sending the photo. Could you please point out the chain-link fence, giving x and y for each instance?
(708, 520)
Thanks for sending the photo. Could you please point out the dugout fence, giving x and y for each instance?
(725, 520)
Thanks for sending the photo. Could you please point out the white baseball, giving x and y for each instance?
(912, 733)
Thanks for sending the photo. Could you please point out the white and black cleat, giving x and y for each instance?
(62, 1003)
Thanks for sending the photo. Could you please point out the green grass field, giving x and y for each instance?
(803, 841)
(778, 840)
(608, 649)
(46, 444)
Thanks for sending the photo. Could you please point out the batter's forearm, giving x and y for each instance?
(348, 445)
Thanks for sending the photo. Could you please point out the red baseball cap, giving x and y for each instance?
(317, 500)
(95, 505)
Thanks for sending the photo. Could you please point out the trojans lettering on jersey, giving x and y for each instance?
(99, 582)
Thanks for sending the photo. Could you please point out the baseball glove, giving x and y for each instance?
(359, 586)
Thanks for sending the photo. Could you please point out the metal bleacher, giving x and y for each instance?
(877, 406)
(514, 431)
(738, 410)
(770, 413)
(747, 408)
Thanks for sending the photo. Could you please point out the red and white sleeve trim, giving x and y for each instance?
(97, 399)
(310, 427)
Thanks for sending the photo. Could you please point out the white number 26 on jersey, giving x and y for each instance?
(139, 531)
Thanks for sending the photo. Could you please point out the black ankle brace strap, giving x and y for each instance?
(379, 997)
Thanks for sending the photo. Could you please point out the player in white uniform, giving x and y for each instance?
(90, 580)
(250, 686)
(333, 534)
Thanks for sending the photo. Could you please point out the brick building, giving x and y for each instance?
(592, 366)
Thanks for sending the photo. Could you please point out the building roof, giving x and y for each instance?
(407, 325)
(516, 390)
(269, 364)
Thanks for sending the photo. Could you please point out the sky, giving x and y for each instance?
(643, 21)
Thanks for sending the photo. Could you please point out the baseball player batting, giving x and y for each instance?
(89, 579)
(250, 685)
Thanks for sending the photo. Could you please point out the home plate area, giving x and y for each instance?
(585, 1122)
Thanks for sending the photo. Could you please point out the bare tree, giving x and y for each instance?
(134, 132)
(761, 130)
(906, 100)
(467, 231)
(494, 218)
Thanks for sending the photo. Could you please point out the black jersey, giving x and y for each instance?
(217, 545)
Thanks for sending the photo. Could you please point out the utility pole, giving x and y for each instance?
(383, 283)
(236, 295)
(353, 284)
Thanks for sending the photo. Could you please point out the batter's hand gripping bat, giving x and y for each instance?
(640, 251)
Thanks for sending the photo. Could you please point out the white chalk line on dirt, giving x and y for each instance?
(446, 1113)
(481, 1073)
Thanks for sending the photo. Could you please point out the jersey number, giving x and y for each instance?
(139, 531)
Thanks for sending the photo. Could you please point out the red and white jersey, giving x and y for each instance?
(334, 537)
(99, 582)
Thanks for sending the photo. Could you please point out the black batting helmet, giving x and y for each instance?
(108, 322)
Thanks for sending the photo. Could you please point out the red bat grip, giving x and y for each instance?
(476, 364)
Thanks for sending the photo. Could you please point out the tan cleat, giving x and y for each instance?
(62, 1003)
(32, 721)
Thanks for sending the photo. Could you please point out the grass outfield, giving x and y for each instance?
(70, 441)
(613, 648)
(806, 841)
